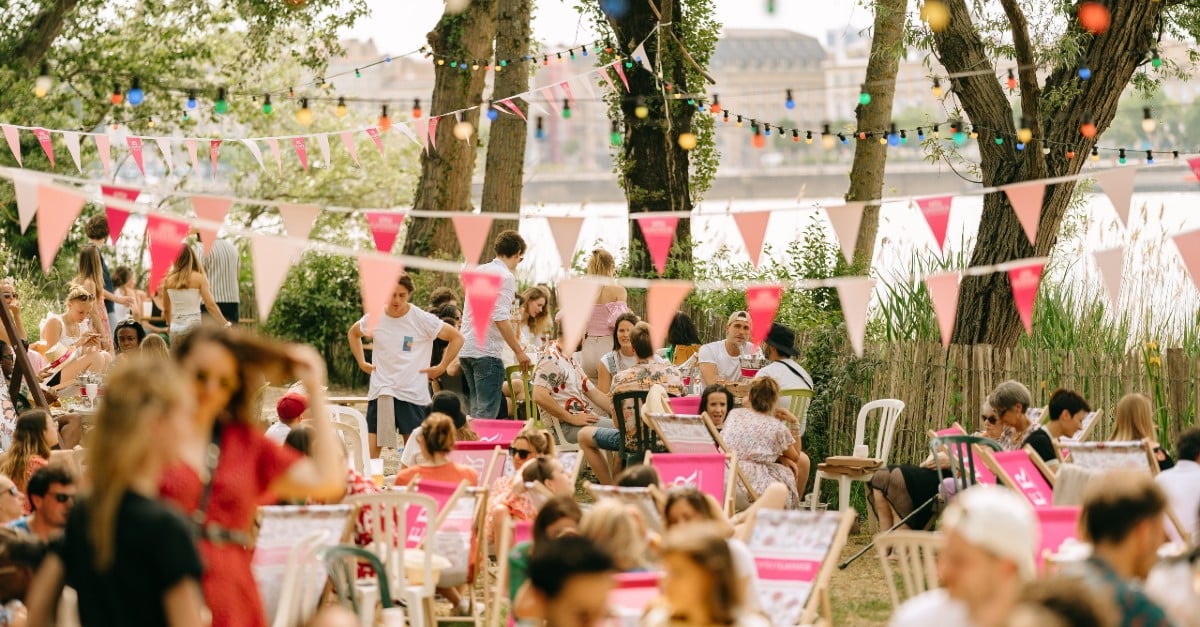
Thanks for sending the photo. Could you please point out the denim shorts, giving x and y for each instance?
(571, 432)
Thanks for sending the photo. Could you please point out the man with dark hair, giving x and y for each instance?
(97, 233)
(481, 358)
(569, 579)
(1182, 485)
(1067, 409)
(442, 296)
(1122, 518)
(51, 493)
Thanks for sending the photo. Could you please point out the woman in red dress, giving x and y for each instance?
(226, 368)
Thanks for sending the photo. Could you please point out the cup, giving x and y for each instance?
(861, 450)
(92, 390)
(393, 617)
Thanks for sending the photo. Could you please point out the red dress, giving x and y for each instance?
(248, 465)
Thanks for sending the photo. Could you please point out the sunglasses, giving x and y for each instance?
(64, 498)
(520, 453)
(86, 298)
(9, 295)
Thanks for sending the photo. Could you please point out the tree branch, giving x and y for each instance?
(43, 31)
(1030, 90)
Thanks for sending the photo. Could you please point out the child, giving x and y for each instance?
(291, 409)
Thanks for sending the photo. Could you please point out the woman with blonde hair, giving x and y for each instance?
(619, 531)
(90, 275)
(71, 344)
(610, 303)
(700, 583)
(187, 287)
(131, 558)
(153, 344)
(509, 496)
(1135, 422)
(533, 321)
(32, 440)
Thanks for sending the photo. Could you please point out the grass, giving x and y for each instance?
(859, 595)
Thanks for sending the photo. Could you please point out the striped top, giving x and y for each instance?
(221, 266)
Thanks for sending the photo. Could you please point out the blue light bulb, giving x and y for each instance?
(1085, 72)
(893, 139)
(789, 103)
(540, 134)
(492, 115)
(135, 96)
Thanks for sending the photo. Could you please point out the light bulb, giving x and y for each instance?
(492, 114)
(1149, 158)
(304, 115)
(614, 136)
(385, 123)
(1088, 129)
(341, 110)
(1070, 155)
(1012, 81)
(116, 97)
(1155, 60)
(808, 137)
(1148, 123)
(687, 140)
(739, 121)
(1024, 135)
(885, 140)
(789, 102)
(1121, 156)
(715, 107)
(191, 100)
(641, 111)
(959, 137)
(936, 14)
(416, 110)
(267, 109)
(463, 130)
(999, 141)
(43, 83)
(566, 109)
(136, 95)
(758, 141)
(221, 105)
(1085, 73)
(540, 132)
(827, 140)
(937, 88)
(864, 98)
(1095, 154)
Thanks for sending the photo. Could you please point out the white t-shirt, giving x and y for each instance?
(1182, 485)
(786, 379)
(403, 347)
(729, 367)
(278, 432)
(931, 608)
(745, 569)
(412, 455)
(501, 312)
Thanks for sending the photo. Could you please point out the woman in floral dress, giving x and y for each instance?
(760, 436)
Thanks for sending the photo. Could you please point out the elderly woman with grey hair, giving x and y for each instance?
(1011, 400)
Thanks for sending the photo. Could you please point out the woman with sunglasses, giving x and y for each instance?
(509, 497)
(70, 345)
(9, 298)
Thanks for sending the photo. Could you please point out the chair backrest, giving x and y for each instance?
(628, 409)
(1105, 456)
(455, 537)
(571, 461)
(631, 594)
(1089, 426)
(681, 433)
(1018, 470)
(481, 457)
(889, 413)
(685, 404)
(798, 402)
(350, 416)
(795, 551)
(445, 495)
(708, 472)
(500, 590)
(357, 454)
(1039, 415)
(1058, 525)
(531, 412)
(522, 531)
(498, 432)
(341, 562)
(280, 527)
(914, 554)
(954, 429)
(386, 518)
(640, 498)
(303, 579)
(961, 453)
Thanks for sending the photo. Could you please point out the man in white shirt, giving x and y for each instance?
(721, 361)
(780, 350)
(483, 366)
(1182, 485)
(403, 343)
(992, 536)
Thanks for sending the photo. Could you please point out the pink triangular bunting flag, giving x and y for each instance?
(422, 128)
(1025, 281)
(373, 133)
(164, 146)
(1112, 266)
(936, 211)
(1026, 201)
(855, 295)
(164, 238)
(135, 150)
(576, 295)
(481, 289)
(433, 124)
(659, 232)
(298, 220)
(57, 209)
(191, 149)
(210, 209)
(515, 108)
(272, 258)
(548, 97)
(103, 149)
(12, 135)
(753, 227)
(273, 144)
(943, 292)
(255, 151)
(608, 79)
(762, 301)
(26, 188)
(117, 216)
(472, 229)
(377, 276)
(1189, 248)
(385, 226)
(323, 145)
(348, 142)
(1117, 184)
(214, 148)
(618, 66)
(565, 231)
(301, 151)
(662, 301)
(1193, 163)
(43, 137)
(71, 139)
(845, 221)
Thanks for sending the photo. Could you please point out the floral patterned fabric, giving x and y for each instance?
(640, 377)
(759, 440)
(565, 380)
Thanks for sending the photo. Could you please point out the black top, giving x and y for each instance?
(108, 286)
(155, 550)
(1041, 442)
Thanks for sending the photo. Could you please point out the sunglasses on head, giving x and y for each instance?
(519, 452)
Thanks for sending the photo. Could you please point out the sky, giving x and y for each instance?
(400, 26)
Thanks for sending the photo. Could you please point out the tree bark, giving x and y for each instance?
(655, 175)
(986, 312)
(870, 157)
(503, 177)
(446, 171)
(45, 28)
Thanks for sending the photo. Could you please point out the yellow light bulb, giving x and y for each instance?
(304, 116)
(463, 130)
(641, 111)
(687, 141)
(1024, 135)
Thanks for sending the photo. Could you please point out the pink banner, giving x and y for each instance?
(659, 232)
(299, 220)
(472, 232)
(481, 289)
(440, 491)
(566, 236)
(753, 227)
(1058, 524)
(497, 432)
(135, 150)
(515, 108)
(164, 146)
(1112, 266)
(781, 569)
(662, 301)
(1026, 477)
(57, 209)
(608, 79)
(703, 471)
(1193, 163)
(385, 226)
(377, 276)
(25, 187)
(576, 295)
(617, 65)
(422, 129)
(71, 139)
(1189, 248)
(373, 133)
(855, 295)
(214, 149)
(1026, 201)
(116, 216)
(102, 148)
(936, 211)
(943, 291)
(845, 221)
(301, 151)
(1025, 281)
(210, 209)
(272, 258)
(192, 154)
(1117, 183)
(762, 301)
(273, 144)
(164, 237)
(12, 135)
(43, 137)
(348, 142)
(433, 124)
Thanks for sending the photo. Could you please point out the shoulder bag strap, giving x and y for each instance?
(802, 376)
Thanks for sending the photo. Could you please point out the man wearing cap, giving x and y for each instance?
(991, 536)
(721, 360)
(291, 409)
(780, 349)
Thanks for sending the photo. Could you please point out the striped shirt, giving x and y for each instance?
(221, 266)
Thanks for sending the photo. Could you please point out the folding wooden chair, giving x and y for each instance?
(641, 498)
(1024, 471)
(795, 552)
(693, 434)
(279, 528)
(499, 589)
(571, 461)
(1089, 426)
(483, 457)
(708, 472)
(954, 429)
(964, 472)
(460, 539)
(628, 409)
(1058, 524)
(915, 554)
(1105, 456)
(631, 595)
(531, 410)
(498, 432)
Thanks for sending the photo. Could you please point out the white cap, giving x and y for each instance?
(999, 521)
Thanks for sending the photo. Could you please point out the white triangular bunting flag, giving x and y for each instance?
(272, 258)
(565, 231)
(348, 142)
(298, 220)
(639, 55)
(13, 136)
(943, 292)
(845, 221)
(855, 295)
(1117, 183)
(1112, 266)
(323, 144)
(71, 139)
(576, 296)
(273, 144)
(26, 188)
(252, 146)
(406, 131)
(164, 146)
(753, 227)
(1026, 200)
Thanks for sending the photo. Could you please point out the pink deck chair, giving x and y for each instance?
(498, 432)
(689, 405)
(482, 457)
(1023, 471)
(442, 493)
(709, 472)
(522, 531)
(1058, 524)
(630, 596)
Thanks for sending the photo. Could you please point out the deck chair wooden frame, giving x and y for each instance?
(531, 409)
(414, 486)
(954, 429)
(22, 369)
(487, 472)
(730, 482)
(1089, 426)
(641, 498)
(298, 515)
(499, 589)
(1062, 450)
(651, 421)
(476, 561)
(916, 559)
(989, 459)
(573, 472)
(818, 596)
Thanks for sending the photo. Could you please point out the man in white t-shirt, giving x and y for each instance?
(992, 536)
(399, 367)
(780, 350)
(721, 361)
(483, 366)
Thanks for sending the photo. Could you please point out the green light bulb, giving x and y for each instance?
(999, 141)
(615, 138)
(864, 98)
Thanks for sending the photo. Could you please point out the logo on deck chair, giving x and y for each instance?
(690, 480)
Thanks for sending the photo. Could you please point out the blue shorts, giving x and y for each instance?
(408, 416)
(607, 439)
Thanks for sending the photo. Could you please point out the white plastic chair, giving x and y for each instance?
(356, 447)
(354, 418)
(387, 523)
(889, 414)
(302, 582)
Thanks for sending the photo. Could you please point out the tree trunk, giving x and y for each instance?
(870, 157)
(986, 312)
(655, 173)
(503, 177)
(42, 32)
(446, 171)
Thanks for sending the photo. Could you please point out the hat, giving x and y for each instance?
(999, 521)
(290, 406)
(738, 316)
(782, 339)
